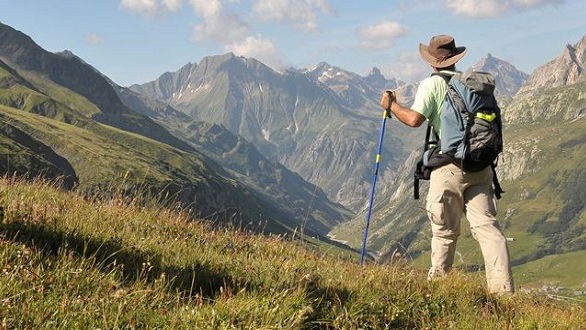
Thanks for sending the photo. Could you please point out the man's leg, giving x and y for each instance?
(481, 213)
(444, 208)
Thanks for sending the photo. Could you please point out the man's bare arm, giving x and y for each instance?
(407, 116)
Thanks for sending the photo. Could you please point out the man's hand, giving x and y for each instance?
(407, 116)
(387, 99)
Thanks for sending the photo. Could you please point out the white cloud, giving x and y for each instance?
(262, 49)
(477, 8)
(151, 7)
(409, 67)
(218, 24)
(381, 35)
(173, 5)
(302, 14)
(207, 8)
(94, 39)
(146, 7)
(492, 8)
(534, 3)
(226, 28)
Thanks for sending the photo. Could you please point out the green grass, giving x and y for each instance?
(102, 152)
(66, 262)
(568, 270)
(102, 155)
(61, 94)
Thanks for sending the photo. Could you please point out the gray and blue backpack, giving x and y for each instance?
(471, 134)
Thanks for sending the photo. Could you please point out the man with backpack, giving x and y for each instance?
(463, 116)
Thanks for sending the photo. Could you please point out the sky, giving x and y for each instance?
(135, 41)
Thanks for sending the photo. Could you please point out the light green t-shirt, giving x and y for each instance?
(429, 99)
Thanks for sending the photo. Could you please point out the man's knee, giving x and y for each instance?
(488, 232)
(443, 232)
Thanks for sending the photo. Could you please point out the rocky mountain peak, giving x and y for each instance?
(489, 61)
(321, 66)
(238, 66)
(376, 77)
(508, 78)
(332, 75)
(379, 82)
(67, 53)
(581, 44)
(375, 72)
(566, 69)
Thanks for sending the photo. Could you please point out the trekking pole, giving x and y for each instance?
(386, 114)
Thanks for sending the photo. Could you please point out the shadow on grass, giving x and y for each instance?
(111, 254)
(133, 264)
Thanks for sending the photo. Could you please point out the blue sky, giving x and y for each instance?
(134, 41)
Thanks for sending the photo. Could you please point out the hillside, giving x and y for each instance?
(70, 263)
(304, 202)
(50, 132)
(25, 157)
(58, 76)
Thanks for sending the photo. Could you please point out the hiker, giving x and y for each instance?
(455, 191)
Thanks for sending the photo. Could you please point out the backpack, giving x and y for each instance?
(471, 135)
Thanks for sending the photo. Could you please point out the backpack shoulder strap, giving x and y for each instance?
(445, 75)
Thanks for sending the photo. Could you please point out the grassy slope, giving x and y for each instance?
(561, 269)
(69, 263)
(94, 152)
(102, 155)
(29, 158)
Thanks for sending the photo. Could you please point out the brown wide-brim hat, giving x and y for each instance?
(441, 51)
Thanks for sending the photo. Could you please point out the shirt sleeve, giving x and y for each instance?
(424, 99)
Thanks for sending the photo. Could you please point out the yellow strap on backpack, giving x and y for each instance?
(488, 117)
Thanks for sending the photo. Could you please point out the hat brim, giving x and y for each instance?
(433, 61)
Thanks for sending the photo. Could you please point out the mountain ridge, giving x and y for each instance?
(22, 54)
(508, 78)
(566, 69)
(289, 116)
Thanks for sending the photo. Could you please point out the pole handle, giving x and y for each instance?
(392, 97)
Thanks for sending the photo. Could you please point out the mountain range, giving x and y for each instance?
(242, 143)
(61, 117)
(316, 122)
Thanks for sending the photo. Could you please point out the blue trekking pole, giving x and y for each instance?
(386, 114)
